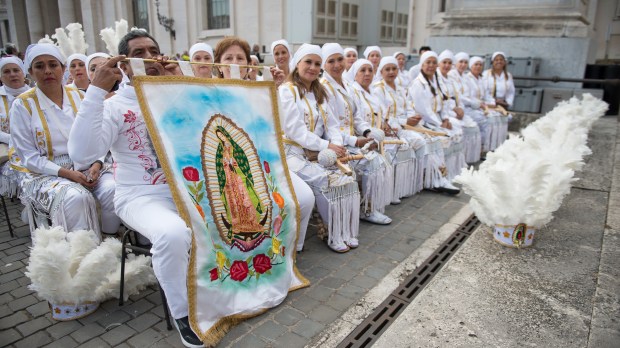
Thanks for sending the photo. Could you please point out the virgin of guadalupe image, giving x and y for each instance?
(236, 184)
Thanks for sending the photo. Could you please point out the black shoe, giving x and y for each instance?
(188, 337)
(449, 191)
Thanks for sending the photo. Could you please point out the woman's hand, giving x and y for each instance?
(446, 124)
(414, 120)
(459, 113)
(278, 75)
(362, 141)
(340, 151)
(77, 177)
(93, 172)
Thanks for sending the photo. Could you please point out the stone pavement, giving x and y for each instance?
(339, 281)
(562, 292)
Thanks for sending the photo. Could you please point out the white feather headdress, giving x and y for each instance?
(527, 177)
(70, 43)
(112, 37)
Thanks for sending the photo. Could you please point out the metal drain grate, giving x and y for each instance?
(384, 315)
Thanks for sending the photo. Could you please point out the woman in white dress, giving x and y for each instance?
(374, 54)
(78, 71)
(403, 75)
(52, 185)
(350, 56)
(500, 86)
(373, 170)
(310, 127)
(281, 52)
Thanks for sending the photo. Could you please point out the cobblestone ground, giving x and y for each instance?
(338, 282)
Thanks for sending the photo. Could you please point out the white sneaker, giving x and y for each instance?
(352, 243)
(447, 187)
(339, 248)
(376, 218)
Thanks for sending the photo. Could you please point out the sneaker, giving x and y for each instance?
(395, 201)
(188, 337)
(448, 188)
(376, 217)
(352, 243)
(339, 248)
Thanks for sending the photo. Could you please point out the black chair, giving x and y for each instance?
(130, 243)
(6, 216)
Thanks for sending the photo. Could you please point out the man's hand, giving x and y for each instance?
(108, 74)
(414, 120)
(459, 113)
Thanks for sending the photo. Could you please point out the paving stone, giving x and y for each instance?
(39, 309)
(145, 338)
(39, 339)
(14, 257)
(376, 273)
(138, 308)
(21, 292)
(8, 286)
(33, 326)
(332, 282)
(88, 332)
(305, 304)
(363, 282)
(351, 291)
(143, 322)
(9, 336)
(5, 298)
(290, 340)
(340, 303)
(23, 302)
(23, 281)
(320, 292)
(95, 343)
(141, 294)
(63, 328)
(7, 277)
(307, 328)
(13, 320)
(345, 273)
(94, 317)
(316, 273)
(269, 331)
(154, 298)
(288, 316)
(65, 342)
(12, 266)
(250, 341)
(324, 314)
(16, 249)
(118, 335)
(5, 311)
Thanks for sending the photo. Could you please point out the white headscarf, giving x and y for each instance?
(75, 56)
(330, 49)
(426, 55)
(446, 54)
(475, 59)
(12, 60)
(356, 67)
(200, 46)
(387, 60)
(280, 42)
(91, 57)
(461, 56)
(495, 54)
(35, 50)
(371, 49)
(397, 53)
(304, 50)
(350, 49)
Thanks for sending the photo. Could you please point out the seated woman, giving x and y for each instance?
(202, 53)
(78, 71)
(471, 110)
(373, 170)
(428, 97)
(309, 127)
(453, 108)
(500, 86)
(402, 80)
(13, 77)
(234, 50)
(350, 56)
(490, 121)
(53, 186)
(374, 54)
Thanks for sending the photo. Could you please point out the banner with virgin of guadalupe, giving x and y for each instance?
(219, 145)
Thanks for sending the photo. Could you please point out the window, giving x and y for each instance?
(325, 25)
(141, 14)
(217, 13)
(348, 22)
(401, 27)
(387, 25)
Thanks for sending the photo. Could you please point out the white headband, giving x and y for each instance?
(446, 54)
(12, 60)
(387, 60)
(35, 50)
(200, 46)
(426, 55)
(500, 53)
(330, 49)
(461, 56)
(75, 56)
(357, 66)
(398, 53)
(473, 60)
(372, 49)
(350, 49)
(93, 56)
(280, 42)
(304, 50)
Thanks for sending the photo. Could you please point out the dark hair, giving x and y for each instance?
(123, 45)
(316, 87)
(444, 96)
(228, 42)
(424, 48)
(11, 49)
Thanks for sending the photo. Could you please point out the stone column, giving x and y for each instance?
(91, 31)
(66, 11)
(34, 17)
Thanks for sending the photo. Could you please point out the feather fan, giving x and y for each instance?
(528, 176)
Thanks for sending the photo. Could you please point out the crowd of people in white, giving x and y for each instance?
(79, 155)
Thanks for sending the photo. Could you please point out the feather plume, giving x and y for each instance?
(62, 40)
(76, 34)
(112, 36)
(47, 39)
(138, 275)
(526, 179)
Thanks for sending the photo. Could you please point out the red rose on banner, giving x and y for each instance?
(213, 273)
(191, 174)
(267, 169)
(261, 263)
(239, 270)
